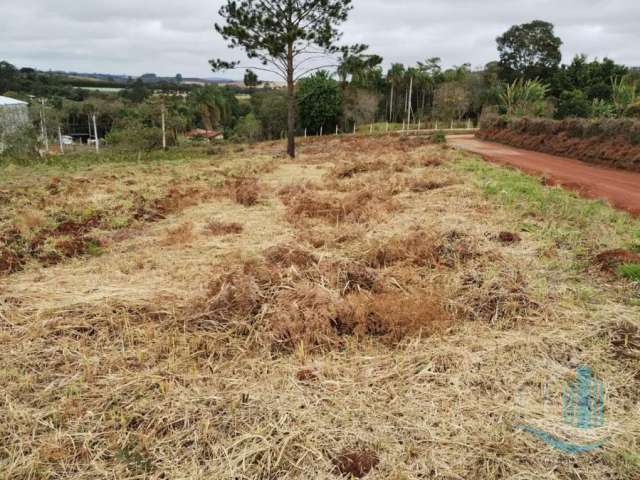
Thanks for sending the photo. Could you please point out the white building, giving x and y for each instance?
(13, 115)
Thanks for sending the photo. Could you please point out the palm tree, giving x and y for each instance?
(212, 105)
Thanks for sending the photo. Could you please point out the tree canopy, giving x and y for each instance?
(284, 36)
(529, 51)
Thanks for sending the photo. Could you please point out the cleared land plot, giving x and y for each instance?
(377, 305)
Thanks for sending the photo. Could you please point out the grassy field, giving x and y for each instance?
(379, 306)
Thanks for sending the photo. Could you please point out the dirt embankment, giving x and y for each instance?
(615, 143)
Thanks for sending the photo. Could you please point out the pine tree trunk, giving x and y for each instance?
(291, 106)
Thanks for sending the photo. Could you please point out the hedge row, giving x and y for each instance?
(613, 142)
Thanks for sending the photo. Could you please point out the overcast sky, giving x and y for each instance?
(170, 36)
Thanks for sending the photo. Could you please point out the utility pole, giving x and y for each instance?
(43, 127)
(95, 130)
(391, 104)
(409, 101)
(164, 130)
(60, 140)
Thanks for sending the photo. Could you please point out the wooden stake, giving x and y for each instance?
(371, 129)
(321, 129)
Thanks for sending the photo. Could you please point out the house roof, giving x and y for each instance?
(10, 101)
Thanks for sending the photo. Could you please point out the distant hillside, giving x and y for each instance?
(118, 80)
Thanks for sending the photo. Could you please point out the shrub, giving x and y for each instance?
(20, 144)
(135, 136)
(439, 137)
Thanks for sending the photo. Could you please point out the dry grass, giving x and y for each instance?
(356, 207)
(217, 228)
(331, 338)
(245, 191)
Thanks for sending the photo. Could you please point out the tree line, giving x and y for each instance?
(332, 87)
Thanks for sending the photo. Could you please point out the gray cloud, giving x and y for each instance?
(167, 37)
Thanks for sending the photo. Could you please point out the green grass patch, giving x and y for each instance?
(554, 206)
(560, 217)
(630, 271)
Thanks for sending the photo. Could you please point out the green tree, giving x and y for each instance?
(250, 79)
(574, 103)
(8, 77)
(137, 93)
(271, 109)
(319, 102)
(364, 69)
(529, 51)
(212, 105)
(248, 128)
(593, 78)
(283, 34)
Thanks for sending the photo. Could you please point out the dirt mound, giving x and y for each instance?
(356, 462)
(610, 260)
(508, 237)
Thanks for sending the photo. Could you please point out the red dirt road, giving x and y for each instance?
(619, 187)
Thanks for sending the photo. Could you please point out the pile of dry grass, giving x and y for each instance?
(174, 201)
(317, 304)
(317, 318)
(351, 168)
(234, 296)
(217, 228)
(245, 191)
(179, 235)
(359, 206)
(290, 255)
(421, 249)
(500, 298)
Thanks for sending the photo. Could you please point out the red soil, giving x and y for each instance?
(621, 188)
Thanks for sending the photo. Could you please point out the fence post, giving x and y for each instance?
(305, 133)
(354, 128)
(336, 130)
(451, 124)
(371, 129)
(387, 130)
(321, 129)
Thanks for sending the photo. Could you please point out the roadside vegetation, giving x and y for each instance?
(527, 80)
